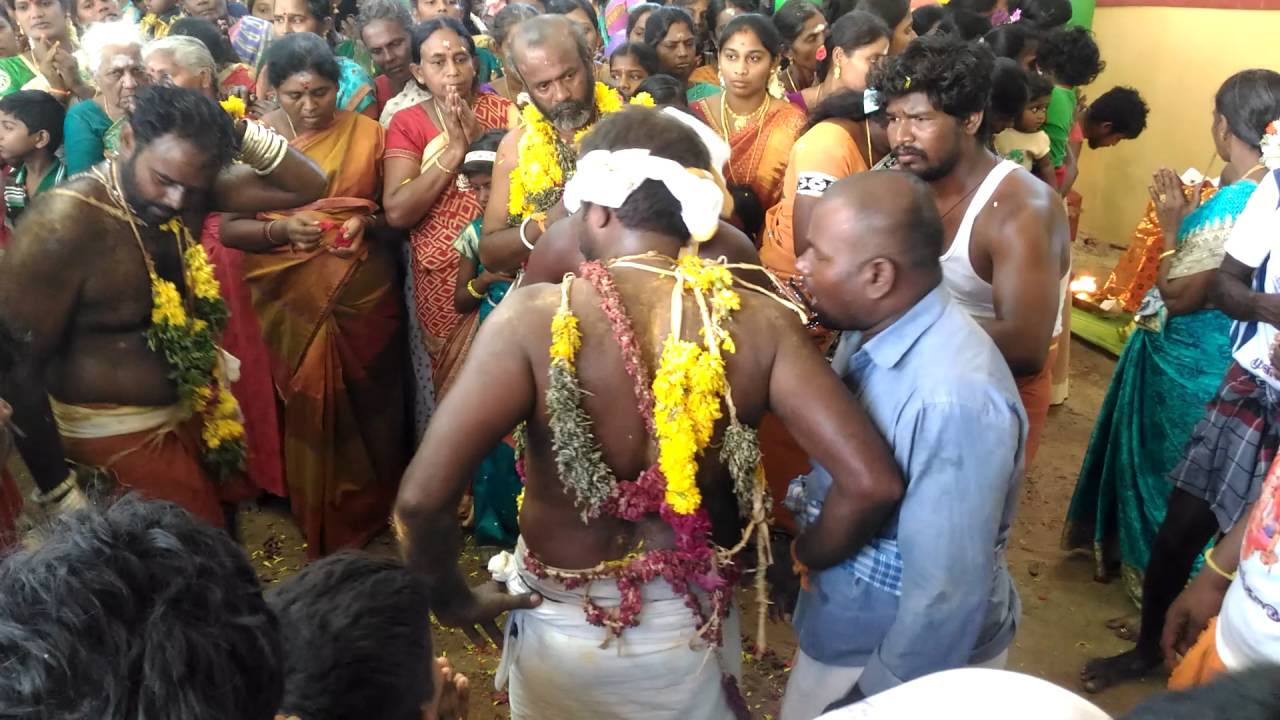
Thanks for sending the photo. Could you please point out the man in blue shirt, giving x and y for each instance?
(932, 590)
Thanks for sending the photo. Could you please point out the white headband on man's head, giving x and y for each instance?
(608, 177)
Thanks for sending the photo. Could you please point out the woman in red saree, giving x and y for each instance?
(324, 289)
(426, 145)
(759, 128)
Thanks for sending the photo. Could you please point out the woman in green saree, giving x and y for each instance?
(91, 131)
(1171, 365)
(48, 59)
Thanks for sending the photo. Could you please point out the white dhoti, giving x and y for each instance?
(558, 666)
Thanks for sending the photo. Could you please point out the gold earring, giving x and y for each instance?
(775, 84)
(837, 71)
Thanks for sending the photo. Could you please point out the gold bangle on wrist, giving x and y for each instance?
(436, 162)
(1165, 255)
(1209, 563)
(471, 288)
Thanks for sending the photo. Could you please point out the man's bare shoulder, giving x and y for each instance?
(510, 142)
(1021, 194)
(766, 320)
(525, 308)
(59, 224)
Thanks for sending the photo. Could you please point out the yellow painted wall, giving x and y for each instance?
(1177, 58)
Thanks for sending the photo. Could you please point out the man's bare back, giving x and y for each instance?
(549, 518)
(75, 279)
(504, 383)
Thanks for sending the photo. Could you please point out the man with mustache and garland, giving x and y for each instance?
(551, 58)
(123, 376)
(621, 585)
(1006, 257)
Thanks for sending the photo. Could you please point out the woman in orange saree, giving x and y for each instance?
(325, 293)
(759, 128)
(426, 145)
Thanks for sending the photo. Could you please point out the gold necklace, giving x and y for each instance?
(1252, 170)
(740, 121)
(724, 129)
(438, 120)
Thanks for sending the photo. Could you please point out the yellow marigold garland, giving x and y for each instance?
(545, 162)
(565, 337)
(234, 106)
(690, 382)
(188, 339)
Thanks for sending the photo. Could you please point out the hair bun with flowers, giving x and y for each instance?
(1270, 145)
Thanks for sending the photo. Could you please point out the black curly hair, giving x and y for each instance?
(1009, 91)
(187, 114)
(1071, 56)
(1124, 108)
(954, 74)
(136, 610)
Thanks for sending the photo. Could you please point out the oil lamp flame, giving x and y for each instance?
(1084, 287)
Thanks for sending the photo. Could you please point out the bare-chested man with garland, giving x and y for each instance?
(98, 386)
(629, 509)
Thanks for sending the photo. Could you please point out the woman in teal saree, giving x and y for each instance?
(1170, 368)
(496, 483)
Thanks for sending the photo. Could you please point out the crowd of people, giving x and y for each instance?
(266, 252)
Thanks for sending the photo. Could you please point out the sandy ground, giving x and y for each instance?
(1064, 610)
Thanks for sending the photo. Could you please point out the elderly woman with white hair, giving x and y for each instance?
(113, 54)
(181, 61)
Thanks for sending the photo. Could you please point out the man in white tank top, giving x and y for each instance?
(1007, 254)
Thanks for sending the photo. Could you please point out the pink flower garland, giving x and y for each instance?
(693, 562)
(624, 333)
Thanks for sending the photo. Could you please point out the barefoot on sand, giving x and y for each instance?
(1101, 673)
